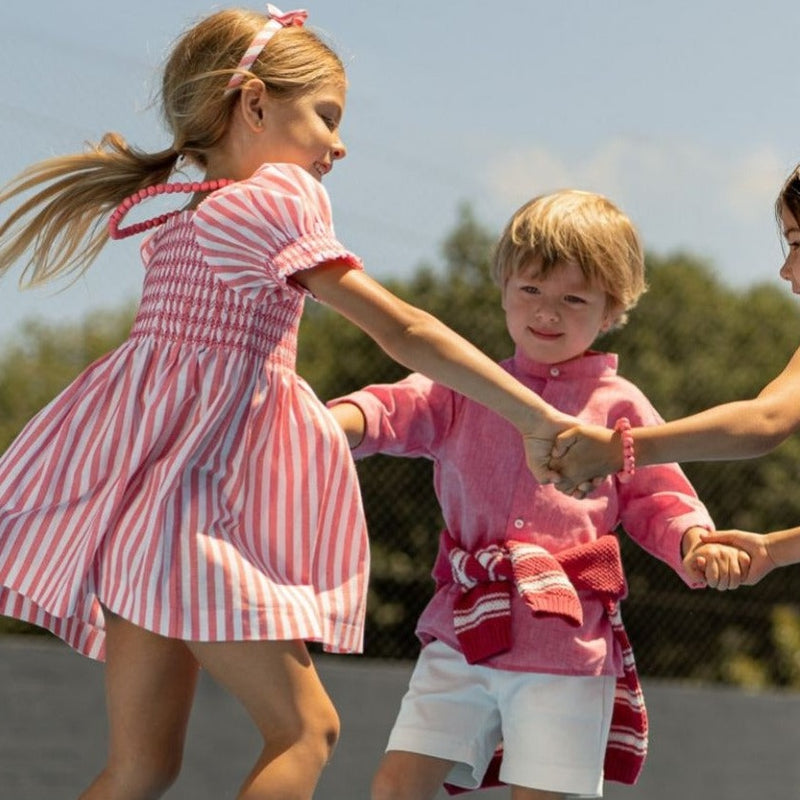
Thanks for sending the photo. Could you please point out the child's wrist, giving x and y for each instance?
(543, 424)
(623, 427)
(691, 539)
(769, 550)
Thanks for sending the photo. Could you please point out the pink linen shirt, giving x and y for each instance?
(488, 495)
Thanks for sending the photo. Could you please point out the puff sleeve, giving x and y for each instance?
(257, 233)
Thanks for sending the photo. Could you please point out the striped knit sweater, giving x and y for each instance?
(548, 583)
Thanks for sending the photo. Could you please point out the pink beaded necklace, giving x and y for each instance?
(115, 232)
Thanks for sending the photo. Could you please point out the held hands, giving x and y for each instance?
(540, 443)
(756, 546)
(712, 561)
(582, 457)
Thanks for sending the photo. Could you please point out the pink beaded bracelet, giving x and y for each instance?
(623, 425)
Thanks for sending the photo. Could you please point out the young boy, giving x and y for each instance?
(523, 646)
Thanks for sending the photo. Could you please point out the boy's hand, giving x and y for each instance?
(715, 565)
(754, 545)
(719, 566)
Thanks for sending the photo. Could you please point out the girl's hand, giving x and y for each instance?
(583, 456)
(755, 545)
(540, 442)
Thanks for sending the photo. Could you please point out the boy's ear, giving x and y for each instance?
(253, 102)
(611, 318)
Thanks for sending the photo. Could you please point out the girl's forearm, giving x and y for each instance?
(419, 341)
(431, 348)
(783, 546)
(744, 429)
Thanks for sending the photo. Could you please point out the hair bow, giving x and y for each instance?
(291, 18)
(276, 20)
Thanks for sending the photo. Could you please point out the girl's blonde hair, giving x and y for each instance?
(62, 227)
(581, 227)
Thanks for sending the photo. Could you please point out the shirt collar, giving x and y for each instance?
(592, 364)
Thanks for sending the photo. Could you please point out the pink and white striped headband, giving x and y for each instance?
(276, 20)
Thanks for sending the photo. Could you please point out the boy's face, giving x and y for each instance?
(555, 318)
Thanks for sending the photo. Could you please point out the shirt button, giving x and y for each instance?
(555, 371)
(518, 523)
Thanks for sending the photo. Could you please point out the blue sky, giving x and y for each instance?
(683, 113)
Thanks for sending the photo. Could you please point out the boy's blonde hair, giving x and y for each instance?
(61, 227)
(584, 228)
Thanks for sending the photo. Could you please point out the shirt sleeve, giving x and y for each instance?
(660, 504)
(411, 418)
(257, 233)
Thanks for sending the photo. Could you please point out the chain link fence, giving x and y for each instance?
(749, 637)
(689, 344)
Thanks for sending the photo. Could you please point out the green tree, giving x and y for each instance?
(692, 342)
(43, 359)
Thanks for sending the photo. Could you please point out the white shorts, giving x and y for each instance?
(554, 728)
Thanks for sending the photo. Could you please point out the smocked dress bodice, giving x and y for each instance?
(190, 481)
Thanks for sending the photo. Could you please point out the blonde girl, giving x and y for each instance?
(187, 501)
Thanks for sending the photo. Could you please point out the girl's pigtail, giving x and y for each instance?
(62, 227)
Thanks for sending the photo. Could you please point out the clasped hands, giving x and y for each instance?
(580, 458)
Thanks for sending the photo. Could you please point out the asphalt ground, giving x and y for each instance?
(706, 743)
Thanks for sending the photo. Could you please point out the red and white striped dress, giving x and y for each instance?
(191, 481)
